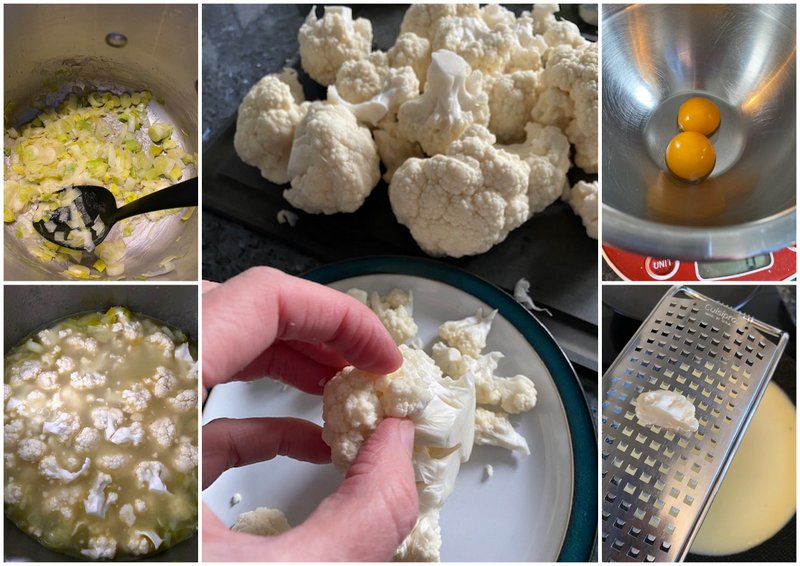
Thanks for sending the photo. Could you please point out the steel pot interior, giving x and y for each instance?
(51, 48)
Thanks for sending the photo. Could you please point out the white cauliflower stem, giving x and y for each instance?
(463, 202)
(334, 162)
(265, 125)
(468, 335)
(453, 100)
(494, 428)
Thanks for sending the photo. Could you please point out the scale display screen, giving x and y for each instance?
(715, 269)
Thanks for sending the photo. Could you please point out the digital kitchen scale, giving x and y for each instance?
(780, 265)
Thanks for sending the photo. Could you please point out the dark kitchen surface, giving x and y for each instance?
(772, 304)
(240, 229)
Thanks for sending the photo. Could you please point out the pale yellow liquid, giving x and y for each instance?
(757, 497)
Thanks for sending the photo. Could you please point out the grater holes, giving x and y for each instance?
(633, 552)
(655, 445)
(629, 415)
(625, 506)
(663, 468)
(665, 546)
(631, 470)
(681, 379)
(688, 500)
(703, 406)
(740, 331)
(659, 485)
(681, 327)
(627, 431)
(662, 344)
(674, 492)
(640, 438)
(649, 461)
(760, 355)
(701, 347)
(645, 477)
(614, 425)
(619, 523)
(669, 435)
(674, 511)
(709, 457)
(692, 483)
(751, 338)
(610, 440)
(696, 468)
(703, 336)
(669, 452)
(683, 443)
(618, 544)
(748, 348)
(617, 462)
(669, 529)
(639, 513)
(605, 536)
(692, 331)
(611, 497)
(650, 539)
(606, 515)
(703, 324)
(668, 372)
(636, 453)
(649, 558)
(654, 521)
(645, 497)
(684, 366)
(635, 532)
(697, 373)
(629, 488)
(673, 348)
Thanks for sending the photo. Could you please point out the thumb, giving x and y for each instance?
(373, 509)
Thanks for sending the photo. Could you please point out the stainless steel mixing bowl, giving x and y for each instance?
(743, 58)
(29, 308)
(53, 47)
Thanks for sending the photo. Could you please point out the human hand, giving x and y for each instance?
(264, 322)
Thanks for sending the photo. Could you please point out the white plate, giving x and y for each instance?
(521, 513)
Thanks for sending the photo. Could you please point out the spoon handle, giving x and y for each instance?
(177, 196)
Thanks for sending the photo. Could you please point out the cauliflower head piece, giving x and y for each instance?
(421, 19)
(465, 201)
(355, 402)
(582, 198)
(546, 151)
(268, 117)
(334, 162)
(325, 44)
(453, 100)
(262, 521)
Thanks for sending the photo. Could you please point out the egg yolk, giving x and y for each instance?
(699, 115)
(690, 156)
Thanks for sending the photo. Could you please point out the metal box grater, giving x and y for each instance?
(657, 484)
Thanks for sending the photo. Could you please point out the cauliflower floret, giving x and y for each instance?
(359, 80)
(63, 426)
(96, 503)
(424, 541)
(394, 148)
(513, 394)
(411, 50)
(112, 461)
(136, 398)
(396, 312)
(421, 19)
(18, 406)
(50, 469)
(27, 371)
(529, 48)
(126, 514)
(546, 151)
(185, 400)
(142, 542)
(6, 391)
(47, 380)
(185, 459)
(494, 428)
(450, 360)
(121, 316)
(453, 100)
(13, 493)
(262, 521)
(162, 341)
(86, 440)
(334, 162)
(31, 449)
(399, 86)
(464, 202)
(570, 96)
(83, 381)
(265, 125)
(355, 402)
(64, 500)
(165, 382)
(325, 44)
(582, 198)
(106, 419)
(88, 345)
(100, 548)
(555, 32)
(163, 431)
(150, 473)
(468, 335)
(125, 435)
(65, 364)
(12, 430)
(140, 506)
(511, 100)
(484, 49)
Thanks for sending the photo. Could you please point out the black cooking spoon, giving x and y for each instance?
(98, 201)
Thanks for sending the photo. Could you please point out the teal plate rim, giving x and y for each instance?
(580, 539)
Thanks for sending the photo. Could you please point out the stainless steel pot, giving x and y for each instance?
(30, 308)
(66, 45)
(743, 58)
